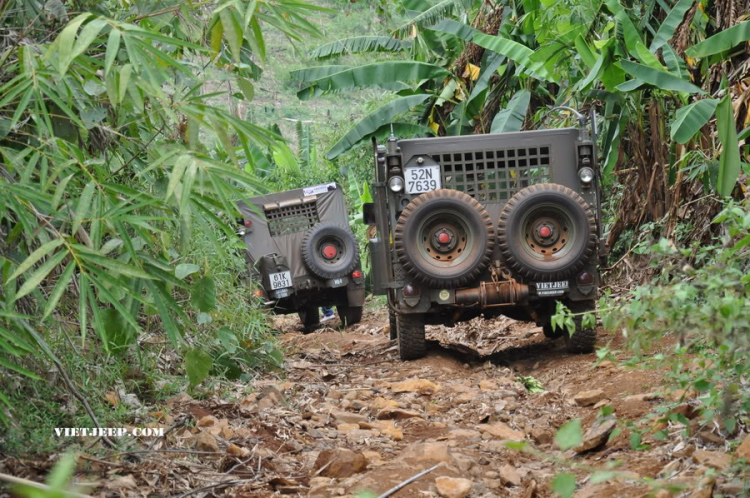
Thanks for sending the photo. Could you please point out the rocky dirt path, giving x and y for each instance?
(348, 419)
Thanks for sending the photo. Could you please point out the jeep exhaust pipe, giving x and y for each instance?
(493, 294)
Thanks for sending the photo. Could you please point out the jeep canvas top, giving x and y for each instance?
(486, 224)
(302, 252)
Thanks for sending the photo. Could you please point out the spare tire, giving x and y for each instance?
(330, 251)
(547, 232)
(444, 239)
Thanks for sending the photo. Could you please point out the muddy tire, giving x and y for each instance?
(412, 344)
(583, 339)
(547, 232)
(310, 318)
(444, 239)
(393, 326)
(349, 315)
(330, 251)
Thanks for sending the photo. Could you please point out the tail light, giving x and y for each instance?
(258, 293)
(410, 290)
(356, 274)
(248, 223)
(585, 278)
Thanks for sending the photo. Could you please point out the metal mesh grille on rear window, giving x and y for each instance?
(494, 175)
(291, 219)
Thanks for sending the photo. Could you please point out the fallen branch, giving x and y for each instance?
(408, 481)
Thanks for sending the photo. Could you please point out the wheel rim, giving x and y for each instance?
(330, 250)
(548, 232)
(445, 239)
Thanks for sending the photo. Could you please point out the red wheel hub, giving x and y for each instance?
(329, 252)
(545, 231)
(444, 238)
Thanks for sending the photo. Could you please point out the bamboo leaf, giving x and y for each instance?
(511, 118)
(113, 47)
(17, 368)
(729, 162)
(659, 79)
(33, 281)
(721, 42)
(35, 256)
(84, 203)
(670, 24)
(690, 119)
(232, 32)
(87, 37)
(374, 121)
(59, 290)
(177, 173)
(65, 42)
(125, 73)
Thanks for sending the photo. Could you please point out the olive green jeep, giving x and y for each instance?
(491, 224)
(303, 255)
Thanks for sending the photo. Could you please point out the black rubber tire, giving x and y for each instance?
(477, 220)
(583, 340)
(393, 325)
(552, 334)
(315, 262)
(510, 232)
(412, 344)
(310, 318)
(349, 315)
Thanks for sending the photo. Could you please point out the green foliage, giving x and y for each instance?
(729, 162)
(198, 364)
(564, 484)
(512, 117)
(358, 44)
(569, 435)
(114, 154)
(721, 42)
(531, 384)
(58, 480)
(692, 118)
(702, 294)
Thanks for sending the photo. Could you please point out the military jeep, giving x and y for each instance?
(488, 224)
(302, 253)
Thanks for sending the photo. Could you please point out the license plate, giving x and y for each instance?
(551, 288)
(421, 179)
(280, 280)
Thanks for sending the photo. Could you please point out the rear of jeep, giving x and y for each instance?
(302, 254)
(486, 224)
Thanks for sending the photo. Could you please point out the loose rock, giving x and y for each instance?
(203, 441)
(340, 462)
(452, 487)
(588, 398)
(509, 475)
(713, 459)
(427, 452)
(421, 386)
(597, 434)
(502, 431)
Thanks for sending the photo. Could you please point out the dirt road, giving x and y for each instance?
(348, 419)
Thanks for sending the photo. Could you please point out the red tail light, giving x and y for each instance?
(258, 293)
(248, 223)
(585, 278)
(356, 274)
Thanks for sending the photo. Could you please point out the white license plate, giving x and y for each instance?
(551, 288)
(280, 280)
(421, 179)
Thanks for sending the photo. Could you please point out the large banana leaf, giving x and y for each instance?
(455, 28)
(691, 118)
(428, 17)
(360, 44)
(721, 42)
(668, 27)
(729, 162)
(517, 52)
(314, 73)
(378, 75)
(511, 118)
(374, 121)
(657, 78)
